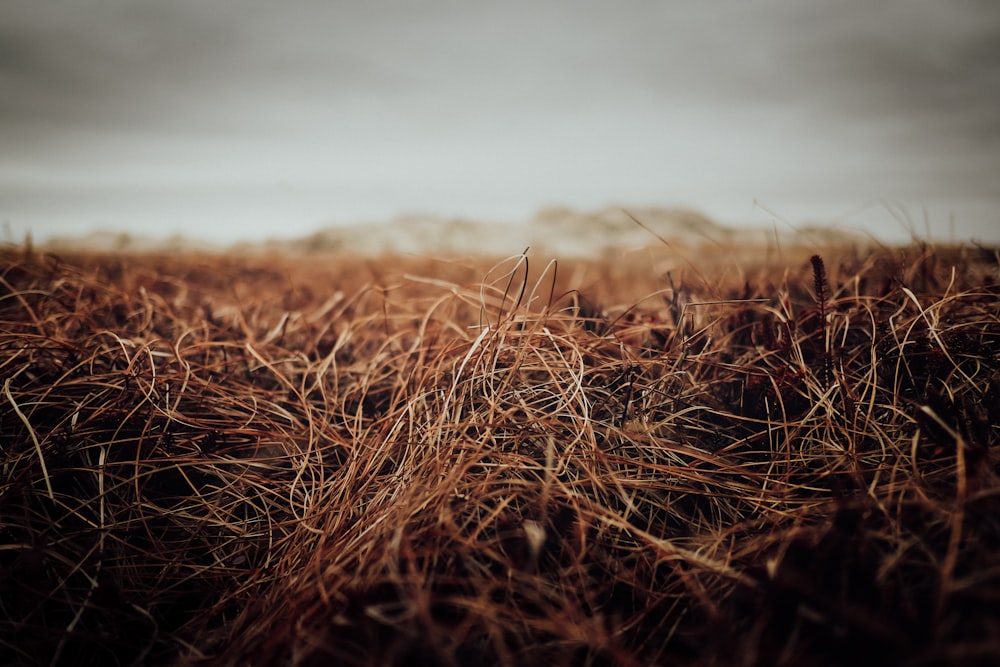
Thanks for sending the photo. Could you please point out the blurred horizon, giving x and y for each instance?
(248, 120)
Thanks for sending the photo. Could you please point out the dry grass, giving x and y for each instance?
(266, 460)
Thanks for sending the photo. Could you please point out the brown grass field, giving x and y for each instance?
(702, 457)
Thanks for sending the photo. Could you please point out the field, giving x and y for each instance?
(683, 456)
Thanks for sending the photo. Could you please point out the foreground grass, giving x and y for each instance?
(266, 460)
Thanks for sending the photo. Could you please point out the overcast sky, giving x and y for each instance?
(253, 118)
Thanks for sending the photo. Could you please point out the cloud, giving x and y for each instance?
(930, 70)
(587, 99)
(112, 63)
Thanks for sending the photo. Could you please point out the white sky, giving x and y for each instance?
(248, 119)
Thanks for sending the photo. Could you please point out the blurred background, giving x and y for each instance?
(252, 119)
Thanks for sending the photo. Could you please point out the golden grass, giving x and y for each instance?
(227, 460)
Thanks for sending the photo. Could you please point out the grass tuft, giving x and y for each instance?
(222, 460)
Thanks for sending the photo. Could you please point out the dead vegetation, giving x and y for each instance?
(251, 460)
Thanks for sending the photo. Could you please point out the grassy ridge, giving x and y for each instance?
(272, 460)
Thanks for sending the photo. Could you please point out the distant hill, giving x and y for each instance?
(558, 231)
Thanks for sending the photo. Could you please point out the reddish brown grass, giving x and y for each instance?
(227, 460)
